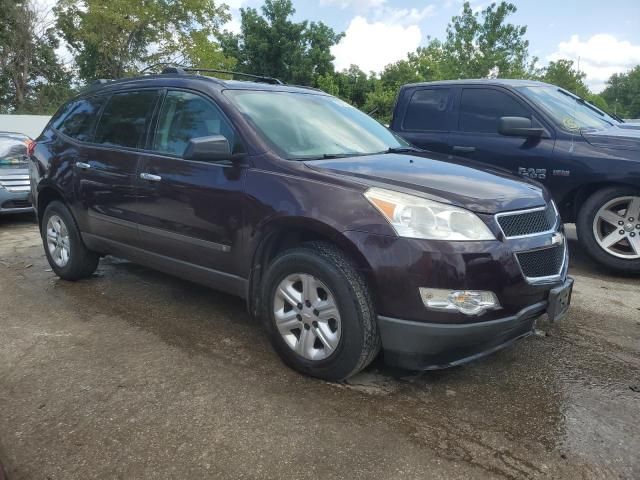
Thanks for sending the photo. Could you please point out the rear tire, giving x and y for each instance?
(338, 348)
(600, 217)
(68, 256)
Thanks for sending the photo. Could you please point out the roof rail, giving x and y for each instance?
(258, 78)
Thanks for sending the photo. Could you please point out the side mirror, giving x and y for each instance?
(214, 147)
(518, 127)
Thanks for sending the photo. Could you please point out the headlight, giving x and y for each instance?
(416, 217)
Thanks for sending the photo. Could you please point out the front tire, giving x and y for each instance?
(319, 313)
(68, 256)
(608, 227)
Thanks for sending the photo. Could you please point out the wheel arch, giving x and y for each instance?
(286, 233)
(46, 195)
(571, 204)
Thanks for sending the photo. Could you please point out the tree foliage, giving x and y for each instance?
(478, 43)
(623, 93)
(271, 44)
(31, 77)
(563, 74)
(114, 38)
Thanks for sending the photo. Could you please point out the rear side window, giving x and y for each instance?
(481, 108)
(78, 118)
(427, 110)
(185, 116)
(125, 119)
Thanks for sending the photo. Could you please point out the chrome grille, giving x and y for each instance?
(528, 222)
(15, 182)
(546, 262)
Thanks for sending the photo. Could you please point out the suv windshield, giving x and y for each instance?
(567, 110)
(311, 126)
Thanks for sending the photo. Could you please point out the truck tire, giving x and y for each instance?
(609, 228)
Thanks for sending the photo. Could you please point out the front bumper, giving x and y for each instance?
(430, 346)
(415, 337)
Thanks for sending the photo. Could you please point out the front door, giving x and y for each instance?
(476, 135)
(190, 211)
(106, 172)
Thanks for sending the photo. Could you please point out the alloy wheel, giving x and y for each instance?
(616, 227)
(307, 316)
(58, 241)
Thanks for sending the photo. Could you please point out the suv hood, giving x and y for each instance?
(617, 138)
(476, 190)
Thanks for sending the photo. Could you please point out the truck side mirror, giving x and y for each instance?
(518, 127)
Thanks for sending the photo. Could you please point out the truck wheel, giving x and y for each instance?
(67, 254)
(608, 228)
(319, 313)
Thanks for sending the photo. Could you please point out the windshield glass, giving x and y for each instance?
(307, 126)
(569, 112)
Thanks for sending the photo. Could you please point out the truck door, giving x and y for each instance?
(476, 136)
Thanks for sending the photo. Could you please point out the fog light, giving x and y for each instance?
(469, 302)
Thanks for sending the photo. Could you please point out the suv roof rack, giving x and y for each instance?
(258, 78)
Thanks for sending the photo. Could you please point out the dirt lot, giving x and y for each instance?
(134, 374)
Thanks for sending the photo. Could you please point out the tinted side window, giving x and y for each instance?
(79, 118)
(185, 116)
(125, 119)
(427, 110)
(480, 109)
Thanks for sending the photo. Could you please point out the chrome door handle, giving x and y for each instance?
(150, 177)
(83, 166)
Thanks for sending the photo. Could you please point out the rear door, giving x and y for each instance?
(106, 173)
(476, 134)
(424, 117)
(190, 210)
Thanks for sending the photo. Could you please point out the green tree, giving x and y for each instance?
(32, 79)
(479, 43)
(114, 38)
(622, 93)
(563, 74)
(271, 44)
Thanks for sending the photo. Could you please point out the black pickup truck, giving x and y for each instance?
(589, 160)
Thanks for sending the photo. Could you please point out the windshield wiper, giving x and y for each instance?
(403, 149)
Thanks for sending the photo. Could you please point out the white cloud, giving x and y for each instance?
(405, 16)
(374, 45)
(358, 5)
(378, 10)
(600, 57)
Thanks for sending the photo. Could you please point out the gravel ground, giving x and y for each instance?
(135, 374)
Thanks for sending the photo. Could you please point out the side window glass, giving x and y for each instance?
(481, 108)
(125, 119)
(185, 116)
(80, 118)
(427, 110)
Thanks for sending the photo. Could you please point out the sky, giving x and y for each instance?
(604, 36)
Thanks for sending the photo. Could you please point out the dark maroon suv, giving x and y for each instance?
(342, 237)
